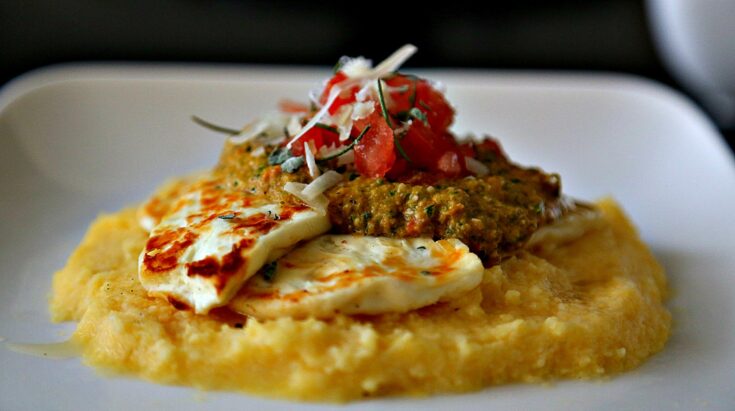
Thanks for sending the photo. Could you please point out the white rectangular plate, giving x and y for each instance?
(80, 140)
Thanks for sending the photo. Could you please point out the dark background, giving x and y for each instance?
(590, 35)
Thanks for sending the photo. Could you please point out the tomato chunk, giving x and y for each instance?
(410, 91)
(319, 136)
(433, 152)
(345, 97)
(374, 153)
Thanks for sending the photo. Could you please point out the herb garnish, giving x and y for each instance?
(430, 210)
(424, 272)
(214, 127)
(269, 270)
(414, 112)
(421, 247)
(386, 115)
(383, 107)
(279, 156)
(226, 216)
(327, 127)
(292, 164)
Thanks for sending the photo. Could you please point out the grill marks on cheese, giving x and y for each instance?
(212, 240)
(361, 275)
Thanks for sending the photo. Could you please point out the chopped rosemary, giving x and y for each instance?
(386, 115)
(226, 216)
(383, 107)
(348, 148)
(421, 247)
(326, 127)
(214, 127)
(269, 271)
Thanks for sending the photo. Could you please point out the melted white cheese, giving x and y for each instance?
(213, 240)
(334, 274)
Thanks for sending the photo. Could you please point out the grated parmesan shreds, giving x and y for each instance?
(476, 166)
(333, 94)
(258, 152)
(310, 160)
(322, 184)
(318, 203)
(386, 67)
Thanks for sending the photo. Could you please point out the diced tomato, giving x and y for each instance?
(292, 107)
(490, 146)
(345, 97)
(405, 95)
(400, 167)
(416, 92)
(433, 152)
(451, 163)
(337, 78)
(467, 149)
(374, 153)
(320, 136)
(438, 111)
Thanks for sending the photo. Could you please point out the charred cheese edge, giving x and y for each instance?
(349, 274)
(212, 240)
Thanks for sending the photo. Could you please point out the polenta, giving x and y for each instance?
(353, 248)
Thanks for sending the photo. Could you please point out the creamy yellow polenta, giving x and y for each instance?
(584, 308)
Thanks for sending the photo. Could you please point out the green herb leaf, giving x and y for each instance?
(214, 127)
(269, 271)
(386, 115)
(292, 164)
(326, 127)
(226, 216)
(279, 155)
(430, 210)
(421, 247)
(418, 115)
(383, 107)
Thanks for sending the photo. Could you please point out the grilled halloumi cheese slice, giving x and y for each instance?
(212, 240)
(360, 275)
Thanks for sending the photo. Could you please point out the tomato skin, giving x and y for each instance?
(319, 136)
(374, 153)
